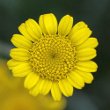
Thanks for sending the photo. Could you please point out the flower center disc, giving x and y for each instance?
(52, 57)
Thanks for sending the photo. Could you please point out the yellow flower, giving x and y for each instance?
(53, 57)
(13, 96)
(18, 102)
(22, 101)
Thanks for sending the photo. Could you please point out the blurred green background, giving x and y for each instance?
(96, 13)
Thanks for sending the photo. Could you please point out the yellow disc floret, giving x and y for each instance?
(52, 57)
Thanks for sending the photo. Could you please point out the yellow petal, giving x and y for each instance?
(20, 41)
(55, 91)
(65, 25)
(86, 54)
(19, 54)
(80, 36)
(12, 63)
(33, 29)
(87, 66)
(78, 26)
(37, 88)
(87, 77)
(76, 80)
(21, 70)
(73, 83)
(34, 91)
(31, 80)
(46, 87)
(24, 32)
(65, 87)
(48, 24)
(89, 43)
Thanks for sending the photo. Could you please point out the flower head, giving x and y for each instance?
(53, 57)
